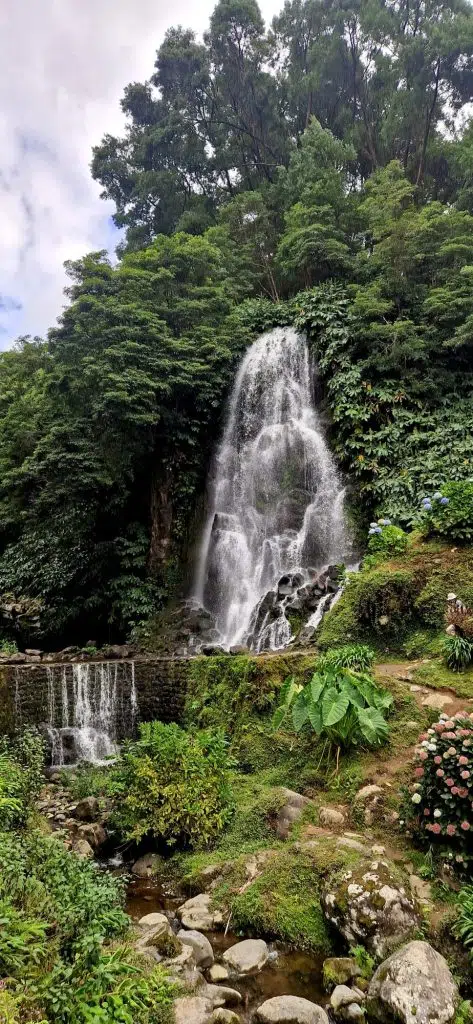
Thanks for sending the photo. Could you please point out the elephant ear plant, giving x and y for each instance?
(343, 706)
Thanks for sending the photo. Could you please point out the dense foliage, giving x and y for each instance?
(341, 705)
(173, 786)
(439, 808)
(318, 172)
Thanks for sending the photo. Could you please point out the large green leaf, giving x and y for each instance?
(300, 712)
(373, 726)
(315, 716)
(334, 706)
(317, 686)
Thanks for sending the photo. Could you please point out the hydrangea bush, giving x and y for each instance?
(440, 802)
(385, 538)
(449, 512)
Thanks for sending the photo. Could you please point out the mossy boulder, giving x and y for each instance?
(372, 905)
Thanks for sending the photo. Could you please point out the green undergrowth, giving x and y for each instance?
(283, 901)
(224, 691)
(390, 602)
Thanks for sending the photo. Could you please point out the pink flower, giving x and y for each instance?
(437, 760)
(423, 736)
(449, 782)
(436, 828)
(440, 772)
(449, 736)
(439, 726)
(424, 755)
(419, 772)
(451, 829)
(462, 791)
(465, 825)
(465, 775)
(450, 724)
(454, 791)
(462, 759)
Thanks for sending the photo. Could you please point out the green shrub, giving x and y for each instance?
(21, 776)
(463, 928)
(378, 601)
(357, 656)
(173, 785)
(439, 806)
(391, 540)
(449, 513)
(344, 706)
(458, 652)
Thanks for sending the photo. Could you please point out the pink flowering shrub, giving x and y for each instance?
(440, 798)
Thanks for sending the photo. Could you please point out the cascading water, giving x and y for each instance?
(89, 705)
(276, 498)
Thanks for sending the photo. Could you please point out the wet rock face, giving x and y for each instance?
(413, 986)
(371, 905)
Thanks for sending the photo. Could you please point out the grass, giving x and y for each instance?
(439, 677)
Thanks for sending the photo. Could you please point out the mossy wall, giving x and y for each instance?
(200, 691)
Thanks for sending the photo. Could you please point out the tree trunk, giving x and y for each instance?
(161, 509)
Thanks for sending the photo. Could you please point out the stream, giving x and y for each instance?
(288, 972)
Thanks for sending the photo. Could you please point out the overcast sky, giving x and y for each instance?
(63, 67)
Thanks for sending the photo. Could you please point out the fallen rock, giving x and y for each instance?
(370, 905)
(437, 701)
(93, 832)
(147, 866)
(247, 957)
(413, 986)
(203, 952)
(196, 914)
(337, 970)
(192, 1010)
(220, 995)
(218, 973)
(342, 996)
(153, 921)
(82, 848)
(290, 1010)
(332, 818)
(87, 809)
(222, 1016)
(368, 792)
(290, 811)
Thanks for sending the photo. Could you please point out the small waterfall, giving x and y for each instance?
(89, 706)
(276, 497)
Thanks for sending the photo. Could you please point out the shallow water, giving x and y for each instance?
(288, 972)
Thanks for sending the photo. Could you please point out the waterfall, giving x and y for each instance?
(276, 499)
(89, 705)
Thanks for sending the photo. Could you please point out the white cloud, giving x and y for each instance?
(64, 66)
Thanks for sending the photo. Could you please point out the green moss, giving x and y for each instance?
(389, 601)
(438, 676)
(225, 691)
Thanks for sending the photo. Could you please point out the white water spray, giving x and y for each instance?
(276, 498)
(89, 705)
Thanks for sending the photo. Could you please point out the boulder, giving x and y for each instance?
(367, 793)
(222, 1016)
(290, 811)
(218, 973)
(93, 832)
(203, 953)
(290, 1010)
(153, 921)
(87, 809)
(331, 818)
(220, 995)
(192, 1010)
(338, 970)
(343, 996)
(147, 866)
(82, 848)
(247, 957)
(196, 914)
(370, 905)
(413, 986)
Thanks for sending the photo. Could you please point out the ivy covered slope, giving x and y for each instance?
(264, 176)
